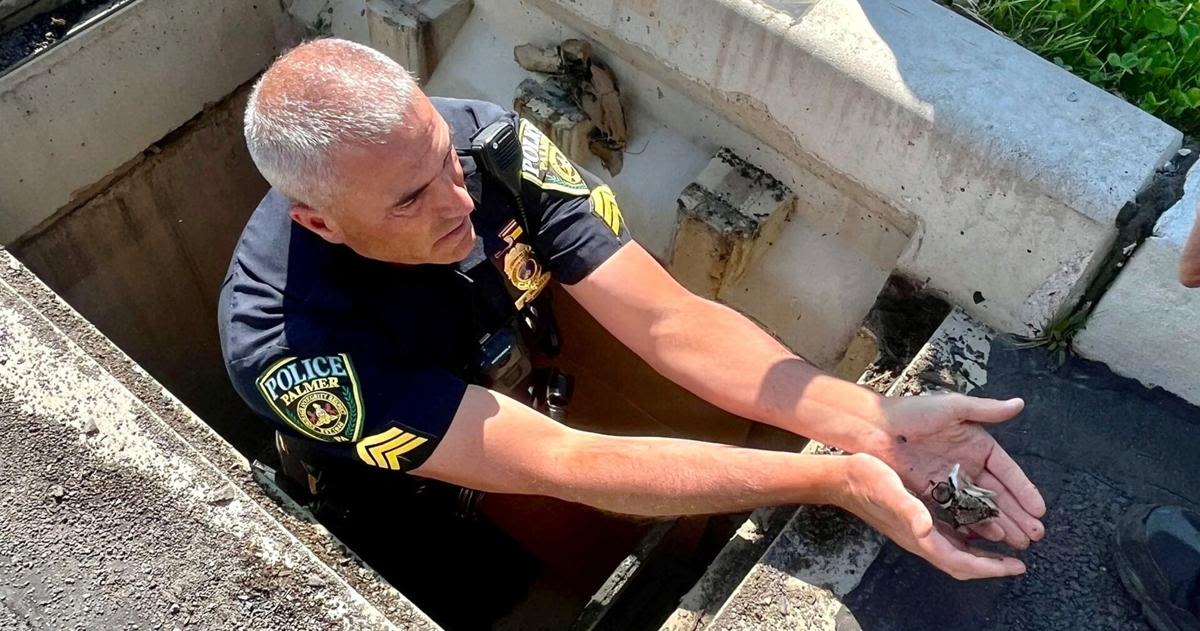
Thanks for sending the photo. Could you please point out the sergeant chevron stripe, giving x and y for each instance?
(604, 204)
(385, 448)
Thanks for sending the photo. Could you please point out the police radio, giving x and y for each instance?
(497, 152)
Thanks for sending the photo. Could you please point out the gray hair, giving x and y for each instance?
(316, 97)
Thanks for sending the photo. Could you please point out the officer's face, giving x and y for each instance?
(401, 201)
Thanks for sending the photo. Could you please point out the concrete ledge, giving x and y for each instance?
(96, 101)
(818, 558)
(1145, 326)
(1016, 168)
(705, 598)
(165, 525)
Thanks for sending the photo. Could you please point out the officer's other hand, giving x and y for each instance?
(874, 492)
(1189, 263)
(926, 436)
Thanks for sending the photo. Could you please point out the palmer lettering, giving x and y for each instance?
(304, 388)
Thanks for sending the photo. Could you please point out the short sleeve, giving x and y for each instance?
(354, 405)
(579, 222)
(336, 386)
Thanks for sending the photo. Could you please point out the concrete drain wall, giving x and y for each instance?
(977, 169)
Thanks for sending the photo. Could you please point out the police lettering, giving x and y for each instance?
(304, 376)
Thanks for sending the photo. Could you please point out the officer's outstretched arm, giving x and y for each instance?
(496, 444)
(721, 356)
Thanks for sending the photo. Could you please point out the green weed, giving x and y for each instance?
(1147, 51)
(1058, 338)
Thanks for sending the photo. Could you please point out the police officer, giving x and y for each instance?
(379, 298)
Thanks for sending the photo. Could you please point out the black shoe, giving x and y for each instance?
(1158, 560)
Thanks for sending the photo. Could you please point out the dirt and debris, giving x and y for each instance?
(41, 32)
(591, 86)
(902, 319)
(1136, 221)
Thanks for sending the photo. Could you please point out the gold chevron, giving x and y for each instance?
(385, 448)
(604, 204)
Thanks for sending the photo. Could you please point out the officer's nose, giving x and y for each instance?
(453, 200)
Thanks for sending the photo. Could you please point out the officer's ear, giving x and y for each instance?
(320, 223)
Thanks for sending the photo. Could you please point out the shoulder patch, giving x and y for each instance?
(317, 396)
(544, 164)
(604, 204)
(394, 448)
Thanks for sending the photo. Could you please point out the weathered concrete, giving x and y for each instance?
(416, 33)
(148, 254)
(816, 560)
(79, 112)
(112, 519)
(825, 270)
(1145, 326)
(698, 606)
(728, 218)
(998, 152)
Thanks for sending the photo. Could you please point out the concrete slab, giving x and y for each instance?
(111, 519)
(1145, 326)
(1016, 168)
(698, 606)
(146, 70)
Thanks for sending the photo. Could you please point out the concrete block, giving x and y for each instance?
(831, 259)
(1145, 326)
(1015, 168)
(547, 104)
(94, 102)
(416, 33)
(728, 218)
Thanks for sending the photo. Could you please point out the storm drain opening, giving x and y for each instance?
(143, 261)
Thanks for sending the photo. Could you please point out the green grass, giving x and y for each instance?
(1147, 51)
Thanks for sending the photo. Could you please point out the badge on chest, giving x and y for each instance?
(526, 277)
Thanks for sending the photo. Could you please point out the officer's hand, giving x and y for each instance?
(928, 435)
(874, 493)
(1189, 263)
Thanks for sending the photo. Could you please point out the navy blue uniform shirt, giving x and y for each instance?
(369, 359)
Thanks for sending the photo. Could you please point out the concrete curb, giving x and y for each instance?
(80, 111)
(1145, 325)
